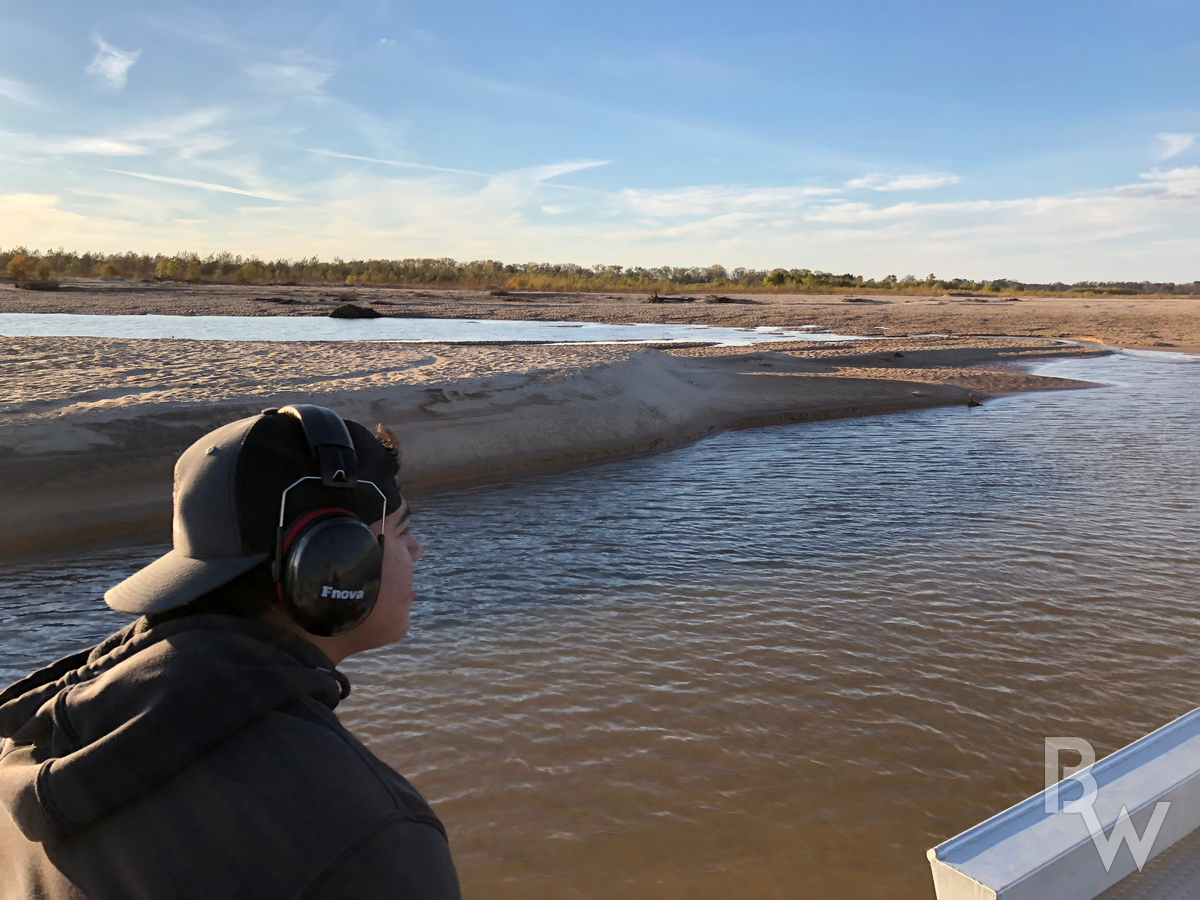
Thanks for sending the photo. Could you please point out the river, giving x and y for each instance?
(776, 663)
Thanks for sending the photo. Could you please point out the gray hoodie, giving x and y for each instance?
(201, 758)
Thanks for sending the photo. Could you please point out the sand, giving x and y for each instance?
(1172, 323)
(90, 427)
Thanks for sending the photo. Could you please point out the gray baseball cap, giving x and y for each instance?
(228, 487)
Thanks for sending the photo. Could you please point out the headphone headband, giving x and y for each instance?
(329, 440)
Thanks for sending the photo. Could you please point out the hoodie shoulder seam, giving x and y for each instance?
(368, 761)
(50, 809)
(361, 753)
(62, 721)
(353, 847)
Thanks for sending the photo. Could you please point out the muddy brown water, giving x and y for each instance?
(777, 663)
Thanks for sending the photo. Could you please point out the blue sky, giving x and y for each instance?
(1037, 141)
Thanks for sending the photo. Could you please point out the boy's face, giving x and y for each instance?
(389, 620)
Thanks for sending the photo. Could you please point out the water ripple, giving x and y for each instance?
(778, 663)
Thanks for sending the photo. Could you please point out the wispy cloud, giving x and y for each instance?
(1168, 145)
(545, 173)
(190, 135)
(400, 163)
(96, 147)
(709, 200)
(170, 129)
(205, 185)
(18, 92)
(110, 66)
(877, 181)
(514, 188)
(1178, 184)
(186, 134)
(516, 182)
(306, 78)
(29, 145)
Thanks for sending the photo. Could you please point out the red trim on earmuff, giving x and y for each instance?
(294, 531)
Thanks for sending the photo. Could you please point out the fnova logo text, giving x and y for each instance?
(334, 593)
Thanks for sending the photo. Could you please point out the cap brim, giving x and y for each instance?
(173, 580)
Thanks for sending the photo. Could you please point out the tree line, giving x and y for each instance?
(31, 266)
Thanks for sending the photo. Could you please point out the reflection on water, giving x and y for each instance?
(778, 663)
(443, 331)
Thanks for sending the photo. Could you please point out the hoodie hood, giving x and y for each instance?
(99, 728)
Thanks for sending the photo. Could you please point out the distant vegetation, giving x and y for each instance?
(33, 267)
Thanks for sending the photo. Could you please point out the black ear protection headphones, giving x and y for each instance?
(328, 563)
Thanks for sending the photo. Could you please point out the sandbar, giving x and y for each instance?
(90, 427)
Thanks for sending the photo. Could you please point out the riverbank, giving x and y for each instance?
(1163, 323)
(90, 427)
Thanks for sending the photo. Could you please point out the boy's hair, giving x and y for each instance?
(249, 596)
(390, 442)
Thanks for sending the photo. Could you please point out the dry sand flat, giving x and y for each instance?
(90, 427)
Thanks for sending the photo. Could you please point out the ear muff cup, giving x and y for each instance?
(331, 574)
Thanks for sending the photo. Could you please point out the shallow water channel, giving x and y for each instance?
(777, 663)
(398, 329)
